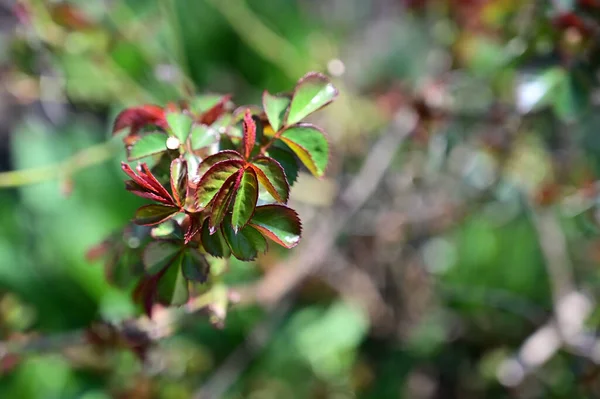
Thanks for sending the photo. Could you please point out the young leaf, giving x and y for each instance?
(136, 118)
(220, 156)
(246, 244)
(149, 144)
(191, 226)
(179, 180)
(172, 286)
(286, 159)
(312, 92)
(202, 136)
(212, 181)
(150, 215)
(215, 112)
(275, 107)
(180, 124)
(278, 223)
(195, 267)
(310, 145)
(249, 138)
(145, 184)
(271, 175)
(245, 199)
(222, 200)
(158, 255)
(214, 244)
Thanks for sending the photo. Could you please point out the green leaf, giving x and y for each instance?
(214, 244)
(272, 176)
(212, 181)
(286, 159)
(275, 107)
(220, 156)
(202, 136)
(278, 223)
(204, 102)
(245, 199)
(158, 255)
(149, 215)
(149, 144)
(195, 267)
(173, 286)
(167, 230)
(180, 124)
(222, 200)
(179, 180)
(312, 92)
(246, 244)
(308, 142)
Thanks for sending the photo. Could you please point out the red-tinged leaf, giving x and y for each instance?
(214, 244)
(272, 176)
(249, 138)
(287, 160)
(278, 223)
(147, 175)
(313, 92)
(150, 215)
(210, 116)
(179, 180)
(212, 181)
(222, 200)
(195, 267)
(137, 117)
(140, 191)
(68, 16)
(173, 286)
(220, 156)
(146, 182)
(245, 244)
(244, 203)
(98, 251)
(191, 227)
(158, 255)
(310, 145)
(275, 108)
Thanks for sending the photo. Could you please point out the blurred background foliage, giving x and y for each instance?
(470, 271)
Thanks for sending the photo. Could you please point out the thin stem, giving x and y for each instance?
(83, 159)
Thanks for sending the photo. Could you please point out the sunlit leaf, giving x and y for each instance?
(308, 142)
(221, 202)
(202, 136)
(195, 267)
(275, 108)
(278, 223)
(168, 230)
(159, 254)
(246, 244)
(272, 176)
(212, 181)
(148, 144)
(214, 244)
(312, 92)
(149, 215)
(179, 180)
(173, 286)
(180, 124)
(246, 196)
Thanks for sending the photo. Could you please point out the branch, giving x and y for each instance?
(83, 159)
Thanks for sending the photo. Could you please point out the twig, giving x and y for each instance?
(83, 159)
